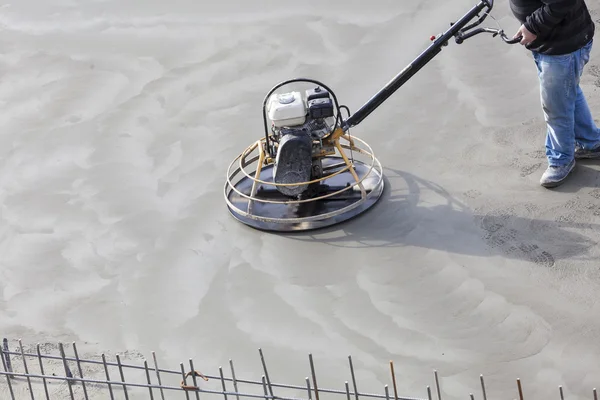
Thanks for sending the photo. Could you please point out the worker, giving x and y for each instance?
(559, 33)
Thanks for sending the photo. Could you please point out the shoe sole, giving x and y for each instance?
(550, 185)
(558, 183)
(588, 157)
(587, 154)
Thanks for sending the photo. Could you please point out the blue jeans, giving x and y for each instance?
(567, 115)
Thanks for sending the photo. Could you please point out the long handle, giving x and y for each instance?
(433, 50)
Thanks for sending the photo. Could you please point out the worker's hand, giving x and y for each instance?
(527, 36)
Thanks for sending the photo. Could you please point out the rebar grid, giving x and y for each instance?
(157, 383)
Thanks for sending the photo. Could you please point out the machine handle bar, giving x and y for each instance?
(462, 36)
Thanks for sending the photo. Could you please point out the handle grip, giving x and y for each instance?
(506, 39)
(511, 41)
(462, 36)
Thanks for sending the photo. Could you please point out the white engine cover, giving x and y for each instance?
(287, 109)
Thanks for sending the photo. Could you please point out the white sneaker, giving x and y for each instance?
(555, 175)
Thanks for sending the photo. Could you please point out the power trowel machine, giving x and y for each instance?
(308, 171)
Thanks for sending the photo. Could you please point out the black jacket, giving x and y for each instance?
(561, 26)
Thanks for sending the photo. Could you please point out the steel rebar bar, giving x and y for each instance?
(562, 395)
(39, 354)
(308, 389)
(147, 370)
(235, 386)
(394, 380)
(162, 394)
(187, 395)
(223, 383)
(7, 355)
(483, 387)
(122, 375)
(353, 377)
(520, 389)
(7, 374)
(112, 397)
(347, 390)
(76, 353)
(68, 372)
(192, 370)
(437, 385)
(314, 375)
(26, 370)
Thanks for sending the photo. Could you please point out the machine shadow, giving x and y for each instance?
(419, 213)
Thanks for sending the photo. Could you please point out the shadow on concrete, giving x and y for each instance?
(420, 213)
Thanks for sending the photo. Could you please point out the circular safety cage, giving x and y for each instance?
(351, 183)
